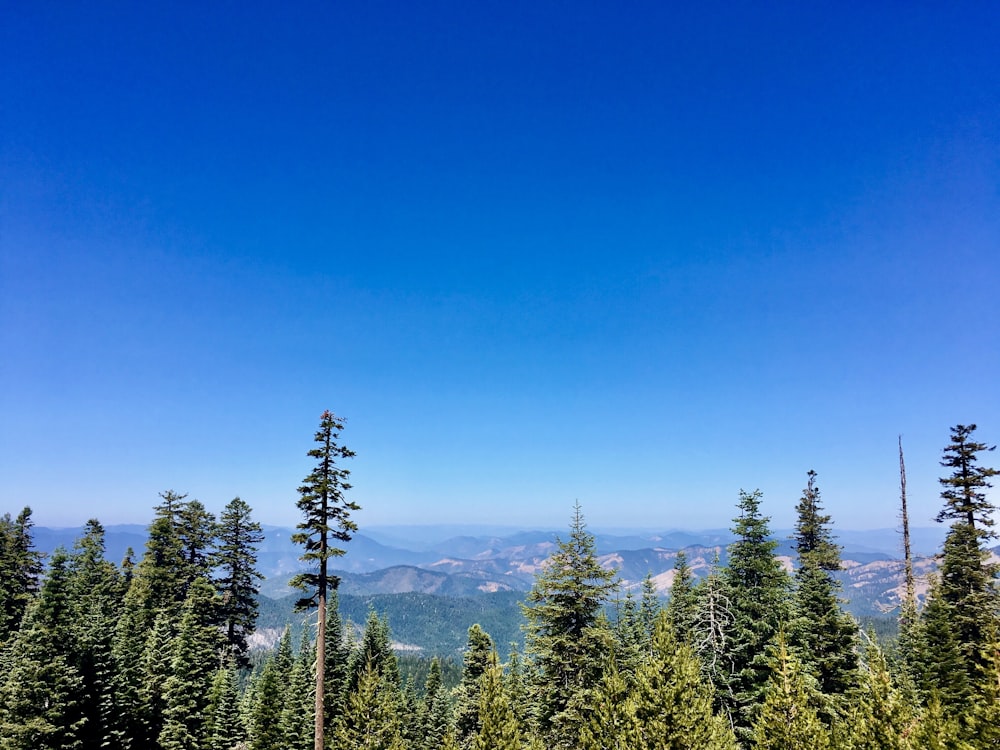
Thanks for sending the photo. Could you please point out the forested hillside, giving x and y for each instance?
(758, 652)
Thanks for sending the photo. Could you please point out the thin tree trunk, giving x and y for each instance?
(910, 605)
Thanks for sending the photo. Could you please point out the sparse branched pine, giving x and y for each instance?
(326, 522)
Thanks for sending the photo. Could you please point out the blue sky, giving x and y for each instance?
(638, 256)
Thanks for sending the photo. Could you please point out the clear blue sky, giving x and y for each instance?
(637, 255)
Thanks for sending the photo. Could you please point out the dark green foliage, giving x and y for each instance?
(682, 607)
(374, 653)
(326, 511)
(42, 694)
(266, 731)
(824, 635)
(96, 596)
(20, 568)
(649, 608)
(193, 665)
(757, 590)
(338, 657)
(567, 639)
(631, 641)
(968, 582)
(224, 724)
(196, 530)
(964, 490)
(235, 562)
(297, 717)
(435, 710)
(476, 660)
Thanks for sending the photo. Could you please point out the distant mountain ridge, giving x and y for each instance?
(473, 564)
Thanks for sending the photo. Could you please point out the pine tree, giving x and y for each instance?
(683, 603)
(338, 655)
(649, 609)
(20, 571)
(372, 717)
(435, 710)
(673, 703)
(787, 721)
(880, 719)
(193, 665)
(757, 588)
(269, 698)
(42, 694)
(326, 512)
(565, 634)
(95, 591)
(474, 664)
(938, 729)
(157, 667)
(225, 728)
(936, 655)
(498, 725)
(196, 529)
(968, 582)
(235, 559)
(823, 634)
(297, 719)
(611, 723)
(630, 638)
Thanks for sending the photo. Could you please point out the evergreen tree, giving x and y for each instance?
(881, 719)
(42, 694)
(193, 664)
(297, 720)
(938, 729)
(95, 591)
(196, 529)
(630, 637)
(157, 668)
(787, 721)
(266, 731)
(566, 636)
(673, 701)
(823, 634)
(649, 609)
(968, 581)
(235, 559)
(611, 723)
(338, 655)
(474, 663)
(326, 512)
(435, 711)
(374, 652)
(20, 570)
(936, 656)
(372, 717)
(498, 725)
(683, 603)
(757, 588)
(225, 728)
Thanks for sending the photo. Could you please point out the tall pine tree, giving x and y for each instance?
(326, 521)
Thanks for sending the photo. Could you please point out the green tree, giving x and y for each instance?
(881, 718)
(968, 581)
(823, 634)
(187, 689)
(498, 726)
(235, 560)
(266, 731)
(683, 603)
(42, 694)
(757, 588)
(96, 590)
(297, 720)
(372, 718)
(611, 722)
(225, 727)
(20, 571)
(673, 702)
(787, 721)
(435, 711)
(474, 664)
(326, 520)
(566, 637)
(196, 529)
(338, 656)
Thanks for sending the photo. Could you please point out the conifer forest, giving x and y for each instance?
(152, 653)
